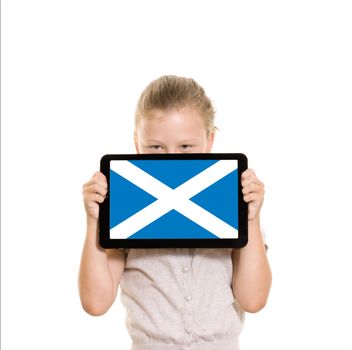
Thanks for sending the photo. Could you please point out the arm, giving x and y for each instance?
(252, 274)
(100, 270)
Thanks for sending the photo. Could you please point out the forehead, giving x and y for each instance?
(186, 118)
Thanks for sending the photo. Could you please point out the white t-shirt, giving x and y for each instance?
(181, 299)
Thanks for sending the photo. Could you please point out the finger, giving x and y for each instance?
(252, 187)
(98, 180)
(90, 182)
(249, 180)
(95, 197)
(100, 175)
(247, 173)
(252, 197)
(95, 188)
(101, 179)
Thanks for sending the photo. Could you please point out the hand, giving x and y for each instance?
(94, 192)
(253, 193)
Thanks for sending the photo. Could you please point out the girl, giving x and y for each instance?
(175, 299)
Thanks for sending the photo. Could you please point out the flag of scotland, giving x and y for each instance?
(173, 199)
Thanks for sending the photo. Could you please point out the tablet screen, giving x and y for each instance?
(169, 201)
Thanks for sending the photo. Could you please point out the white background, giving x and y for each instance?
(279, 73)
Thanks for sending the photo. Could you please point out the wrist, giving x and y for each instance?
(254, 223)
(254, 231)
(92, 233)
(92, 223)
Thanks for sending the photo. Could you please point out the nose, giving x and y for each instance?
(171, 150)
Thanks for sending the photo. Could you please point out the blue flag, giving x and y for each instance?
(173, 199)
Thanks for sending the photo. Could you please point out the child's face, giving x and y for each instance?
(173, 131)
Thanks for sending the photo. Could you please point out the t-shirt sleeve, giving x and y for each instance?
(124, 250)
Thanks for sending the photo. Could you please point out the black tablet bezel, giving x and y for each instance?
(104, 217)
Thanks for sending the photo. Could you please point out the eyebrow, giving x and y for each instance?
(189, 140)
(152, 140)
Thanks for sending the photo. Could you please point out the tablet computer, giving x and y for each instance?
(191, 200)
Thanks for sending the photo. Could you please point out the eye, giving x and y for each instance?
(155, 147)
(185, 147)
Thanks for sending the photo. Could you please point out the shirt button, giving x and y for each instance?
(185, 269)
(188, 297)
(188, 330)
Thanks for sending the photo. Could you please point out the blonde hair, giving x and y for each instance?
(170, 91)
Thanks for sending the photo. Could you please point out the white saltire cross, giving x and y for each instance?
(177, 199)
